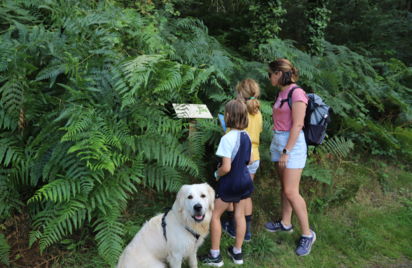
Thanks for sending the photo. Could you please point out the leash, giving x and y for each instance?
(196, 235)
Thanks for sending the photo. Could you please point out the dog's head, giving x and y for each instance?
(195, 202)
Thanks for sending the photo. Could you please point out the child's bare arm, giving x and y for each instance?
(225, 167)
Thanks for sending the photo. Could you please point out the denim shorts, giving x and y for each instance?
(298, 154)
(253, 167)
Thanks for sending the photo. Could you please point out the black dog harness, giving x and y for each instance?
(196, 235)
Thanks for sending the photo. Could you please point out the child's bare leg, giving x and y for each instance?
(240, 221)
(215, 226)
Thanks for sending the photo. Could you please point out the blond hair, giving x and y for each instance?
(236, 115)
(248, 91)
(290, 74)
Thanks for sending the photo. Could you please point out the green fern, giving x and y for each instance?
(55, 223)
(10, 151)
(59, 190)
(109, 235)
(10, 199)
(12, 97)
(318, 173)
(162, 178)
(338, 146)
(404, 136)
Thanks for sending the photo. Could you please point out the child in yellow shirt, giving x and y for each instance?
(248, 91)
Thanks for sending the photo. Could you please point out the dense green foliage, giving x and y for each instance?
(86, 118)
(4, 250)
(318, 18)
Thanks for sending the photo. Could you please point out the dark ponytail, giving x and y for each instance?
(286, 78)
(289, 72)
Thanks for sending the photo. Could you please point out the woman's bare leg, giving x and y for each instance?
(290, 182)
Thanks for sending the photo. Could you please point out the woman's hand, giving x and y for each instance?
(283, 160)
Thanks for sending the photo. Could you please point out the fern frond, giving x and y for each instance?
(9, 196)
(318, 173)
(136, 73)
(338, 146)
(7, 121)
(61, 190)
(12, 96)
(109, 235)
(11, 11)
(51, 73)
(170, 78)
(94, 142)
(64, 219)
(382, 134)
(10, 151)
(117, 189)
(162, 178)
(167, 152)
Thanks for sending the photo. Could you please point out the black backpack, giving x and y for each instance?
(317, 117)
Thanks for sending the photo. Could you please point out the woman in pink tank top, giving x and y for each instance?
(288, 148)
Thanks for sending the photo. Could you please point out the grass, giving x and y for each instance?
(363, 219)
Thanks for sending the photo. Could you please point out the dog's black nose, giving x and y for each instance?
(197, 207)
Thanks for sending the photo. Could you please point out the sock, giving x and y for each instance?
(308, 236)
(285, 226)
(214, 252)
(237, 250)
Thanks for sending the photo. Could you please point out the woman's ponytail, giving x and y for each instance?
(295, 74)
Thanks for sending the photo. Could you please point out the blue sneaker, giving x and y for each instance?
(277, 226)
(305, 244)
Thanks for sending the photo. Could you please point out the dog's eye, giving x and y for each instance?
(202, 195)
(190, 197)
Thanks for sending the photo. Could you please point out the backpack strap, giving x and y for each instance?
(289, 98)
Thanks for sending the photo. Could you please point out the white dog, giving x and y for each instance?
(175, 235)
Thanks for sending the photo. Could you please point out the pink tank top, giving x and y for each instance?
(282, 116)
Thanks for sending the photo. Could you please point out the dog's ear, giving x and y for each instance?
(180, 199)
(211, 195)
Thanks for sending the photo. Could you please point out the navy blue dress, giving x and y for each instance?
(237, 184)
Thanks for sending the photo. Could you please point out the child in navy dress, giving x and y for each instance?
(234, 182)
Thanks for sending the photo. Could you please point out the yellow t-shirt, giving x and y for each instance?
(254, 129)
